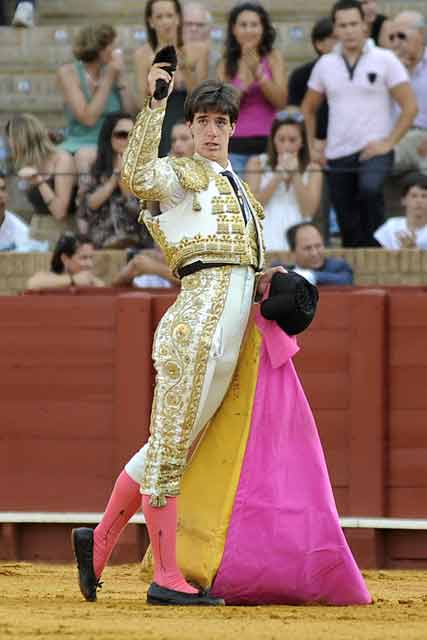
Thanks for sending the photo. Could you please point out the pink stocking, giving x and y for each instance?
(124, 502)
(161, 524)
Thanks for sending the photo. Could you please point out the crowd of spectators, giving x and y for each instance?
(355, 114)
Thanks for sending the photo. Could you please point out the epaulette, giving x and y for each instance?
(192, 173)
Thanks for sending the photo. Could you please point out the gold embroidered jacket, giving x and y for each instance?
(201, 216)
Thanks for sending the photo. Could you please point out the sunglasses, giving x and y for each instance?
(293, 116)
(121, 135)
(399, 35)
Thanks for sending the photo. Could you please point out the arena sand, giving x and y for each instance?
(41, 601)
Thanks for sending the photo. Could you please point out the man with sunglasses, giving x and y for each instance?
(408, 41)
(360, 82)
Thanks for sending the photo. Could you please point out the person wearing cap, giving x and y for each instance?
(210, 231)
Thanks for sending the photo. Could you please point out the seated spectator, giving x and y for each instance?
(307, 244)
(93, 86)
(71, 265)
(25, 11)
(163, 21)
(323, 41)
(108, 212)
(284, 181)
(197, 24)
(50, 173)
(408, 43)
(182, 144)
(146, 269)
(375, 22)
(14, 233)
(408, 231)
(253, 65)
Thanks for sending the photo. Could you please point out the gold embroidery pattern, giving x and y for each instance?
(181, 350)
(192, 173)
(144, 174)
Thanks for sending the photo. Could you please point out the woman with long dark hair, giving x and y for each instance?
(163, 21)
(284, 180)
(71, 265)
(253, 65)
(108, 212)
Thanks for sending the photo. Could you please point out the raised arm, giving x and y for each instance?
(143, 173)
(87, 113)
(275, 90)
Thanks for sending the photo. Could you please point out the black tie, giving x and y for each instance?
(239, 194)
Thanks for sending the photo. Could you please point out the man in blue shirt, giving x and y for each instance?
(307, 244)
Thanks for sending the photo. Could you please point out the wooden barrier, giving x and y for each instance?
(372, 267)
(76, 391)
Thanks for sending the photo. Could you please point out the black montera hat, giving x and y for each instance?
(167, 54)
(292, 302)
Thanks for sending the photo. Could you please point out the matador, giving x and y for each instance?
(210, 230)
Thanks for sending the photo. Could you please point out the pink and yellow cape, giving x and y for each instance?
(258, 521)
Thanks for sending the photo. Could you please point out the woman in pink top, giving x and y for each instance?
(252, 64)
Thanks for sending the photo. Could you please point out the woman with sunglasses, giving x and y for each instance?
(71, 265)
(257, 69)
(108, 212)
(284, 181)
(49, 174)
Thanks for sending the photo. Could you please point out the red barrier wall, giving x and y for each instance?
(76, 388)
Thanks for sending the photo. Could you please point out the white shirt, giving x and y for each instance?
(281, 211)
(151, 280)
(388, 234)
(15, 236)
(360, 108)
(13, 232)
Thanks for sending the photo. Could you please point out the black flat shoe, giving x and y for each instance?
(163, 596)
(82, 541)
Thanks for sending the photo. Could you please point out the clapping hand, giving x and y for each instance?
(407, 239)
(251, 59)
(287, 164)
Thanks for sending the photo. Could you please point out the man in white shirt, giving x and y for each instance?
(360, 82)
(407, 39)
(408, 231)
(14, 233)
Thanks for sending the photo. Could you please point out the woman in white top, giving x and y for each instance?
(408, 231)
(283, 180)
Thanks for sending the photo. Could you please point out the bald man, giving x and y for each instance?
(197, 25)
(408, 41)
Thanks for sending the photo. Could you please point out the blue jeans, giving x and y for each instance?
(239, 162)
(356, 190)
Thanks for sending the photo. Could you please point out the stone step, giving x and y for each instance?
(48, 47)
(131, 11)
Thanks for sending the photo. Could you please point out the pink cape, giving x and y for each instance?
(284, 543)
